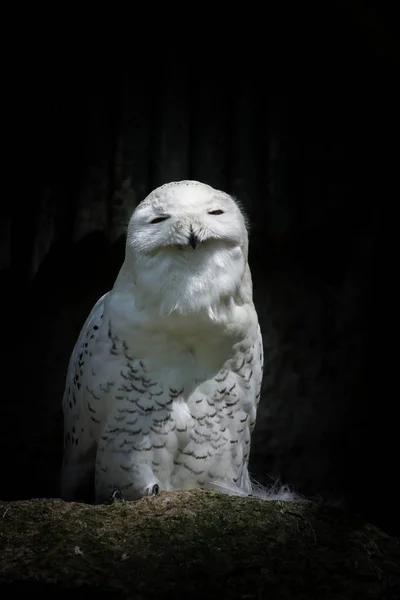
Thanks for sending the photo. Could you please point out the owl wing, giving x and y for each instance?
(84, 403)
(249, 373)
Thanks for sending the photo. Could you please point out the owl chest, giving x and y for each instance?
(181, 400)
(187, 418)
(175, 357)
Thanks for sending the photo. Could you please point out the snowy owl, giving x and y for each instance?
(164, 381)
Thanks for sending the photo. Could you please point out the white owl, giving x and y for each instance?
(164, 381)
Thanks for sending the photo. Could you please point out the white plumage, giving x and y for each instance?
(164, 381)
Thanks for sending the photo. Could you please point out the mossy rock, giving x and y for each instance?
(194, 545)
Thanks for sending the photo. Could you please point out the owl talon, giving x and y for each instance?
(116, 496)
(153, 490)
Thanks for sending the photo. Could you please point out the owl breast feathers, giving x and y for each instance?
(164, 380)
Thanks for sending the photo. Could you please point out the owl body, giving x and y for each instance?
(164, 381)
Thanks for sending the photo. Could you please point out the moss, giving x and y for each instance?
(194, 544)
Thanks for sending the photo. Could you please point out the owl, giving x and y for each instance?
(164, 381)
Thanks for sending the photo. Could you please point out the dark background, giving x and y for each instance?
(296, 113)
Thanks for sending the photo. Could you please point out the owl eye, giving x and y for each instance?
(216, 212)
(159, 219)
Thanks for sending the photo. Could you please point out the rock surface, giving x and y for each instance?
(194, 545)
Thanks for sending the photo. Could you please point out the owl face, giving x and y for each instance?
(186, 217)
(186, 253)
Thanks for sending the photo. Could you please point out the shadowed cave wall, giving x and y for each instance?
(304, 140)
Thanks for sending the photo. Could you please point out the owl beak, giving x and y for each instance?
(193, 239)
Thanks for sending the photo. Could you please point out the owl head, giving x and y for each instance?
(187, 246)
